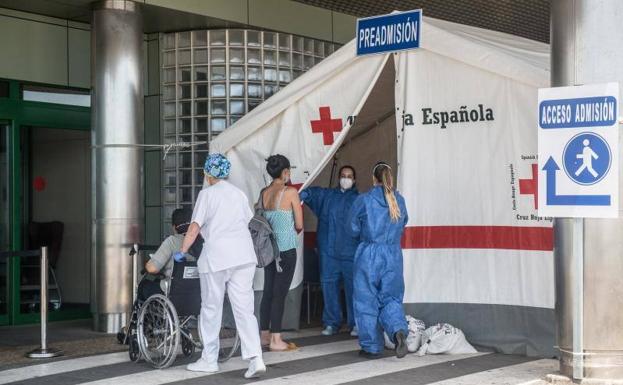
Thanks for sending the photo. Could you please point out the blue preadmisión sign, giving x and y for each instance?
(386, 33)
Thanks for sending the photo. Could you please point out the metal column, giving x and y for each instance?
(587, 47)
(117, 163)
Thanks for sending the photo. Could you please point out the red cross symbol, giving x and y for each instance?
(326, 125)
(531, 186)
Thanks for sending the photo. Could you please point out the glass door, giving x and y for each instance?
(21, 107)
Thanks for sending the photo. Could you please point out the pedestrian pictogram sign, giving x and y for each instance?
(578, 151)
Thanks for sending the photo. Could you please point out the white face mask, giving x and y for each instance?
(346, 183)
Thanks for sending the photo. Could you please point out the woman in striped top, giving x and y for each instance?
(284, 213)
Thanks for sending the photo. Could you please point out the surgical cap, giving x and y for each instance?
(217, 165)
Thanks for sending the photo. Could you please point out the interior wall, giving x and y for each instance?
(364, 151)
(44, 49)
(63, 159)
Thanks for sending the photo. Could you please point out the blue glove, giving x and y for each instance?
(179, 256)
(304, 195)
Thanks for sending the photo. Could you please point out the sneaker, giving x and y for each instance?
(401, 344)
(256, 368)
(203, 366)
(329, 331)
(370, 356)
(354, 332)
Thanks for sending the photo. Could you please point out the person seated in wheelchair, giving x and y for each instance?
(160, 265)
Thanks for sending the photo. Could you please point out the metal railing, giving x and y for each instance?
(43, 351)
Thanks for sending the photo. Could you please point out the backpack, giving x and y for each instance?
(264, 239)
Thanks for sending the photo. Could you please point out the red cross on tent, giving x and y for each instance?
(531, 186)
(326, 125)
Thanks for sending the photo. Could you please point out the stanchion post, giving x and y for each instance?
(134, 273)
(44, 351)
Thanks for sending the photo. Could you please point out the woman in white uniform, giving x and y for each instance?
(227, 262)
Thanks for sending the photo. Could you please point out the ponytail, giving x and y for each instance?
(383, 174)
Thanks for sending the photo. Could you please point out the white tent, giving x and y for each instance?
(457, 118)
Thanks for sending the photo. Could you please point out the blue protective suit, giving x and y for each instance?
(378, 271)
(336, 248)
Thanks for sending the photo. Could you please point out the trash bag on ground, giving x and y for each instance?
(444, 339)
(414, 339)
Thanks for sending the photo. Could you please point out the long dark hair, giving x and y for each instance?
(181, 221)
(383, 174)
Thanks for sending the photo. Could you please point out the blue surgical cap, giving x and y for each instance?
(217, 165)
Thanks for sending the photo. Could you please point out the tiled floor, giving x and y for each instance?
(319, 361)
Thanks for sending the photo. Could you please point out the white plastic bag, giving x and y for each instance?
(414, 339)
(444, 339)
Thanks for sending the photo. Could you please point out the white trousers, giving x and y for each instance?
(238, 282)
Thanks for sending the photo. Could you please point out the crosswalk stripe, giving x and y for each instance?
(521, 374)
(179, 373)
(62, 366)
(73, 364)
(361, 370)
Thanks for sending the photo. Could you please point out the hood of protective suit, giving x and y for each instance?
(379, 195)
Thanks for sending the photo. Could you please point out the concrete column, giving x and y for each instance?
(587, 47)
(117, 163)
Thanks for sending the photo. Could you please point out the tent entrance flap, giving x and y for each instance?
(371, 138)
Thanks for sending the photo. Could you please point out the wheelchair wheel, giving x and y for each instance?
(133, 349)
(158, 331)
(229, 341)
(188, 345)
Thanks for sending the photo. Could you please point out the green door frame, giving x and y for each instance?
(4, 318)
(22, 114)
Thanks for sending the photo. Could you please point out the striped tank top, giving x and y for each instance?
(282, 222)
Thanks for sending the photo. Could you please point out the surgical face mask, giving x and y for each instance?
(346, 183)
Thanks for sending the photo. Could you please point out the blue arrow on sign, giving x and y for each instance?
(550, 168)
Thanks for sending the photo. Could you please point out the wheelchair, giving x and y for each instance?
(162, 322)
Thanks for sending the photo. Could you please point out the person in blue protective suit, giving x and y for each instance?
(378, 218)
(335, 246)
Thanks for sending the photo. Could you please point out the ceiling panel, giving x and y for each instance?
(526, 18)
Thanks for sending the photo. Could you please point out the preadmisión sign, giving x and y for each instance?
(394, 32)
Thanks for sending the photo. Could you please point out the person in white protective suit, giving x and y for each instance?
(227, 262)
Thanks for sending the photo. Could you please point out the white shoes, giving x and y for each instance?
(203, 366)
(354, 332)
(329, 331)
(256, 368)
